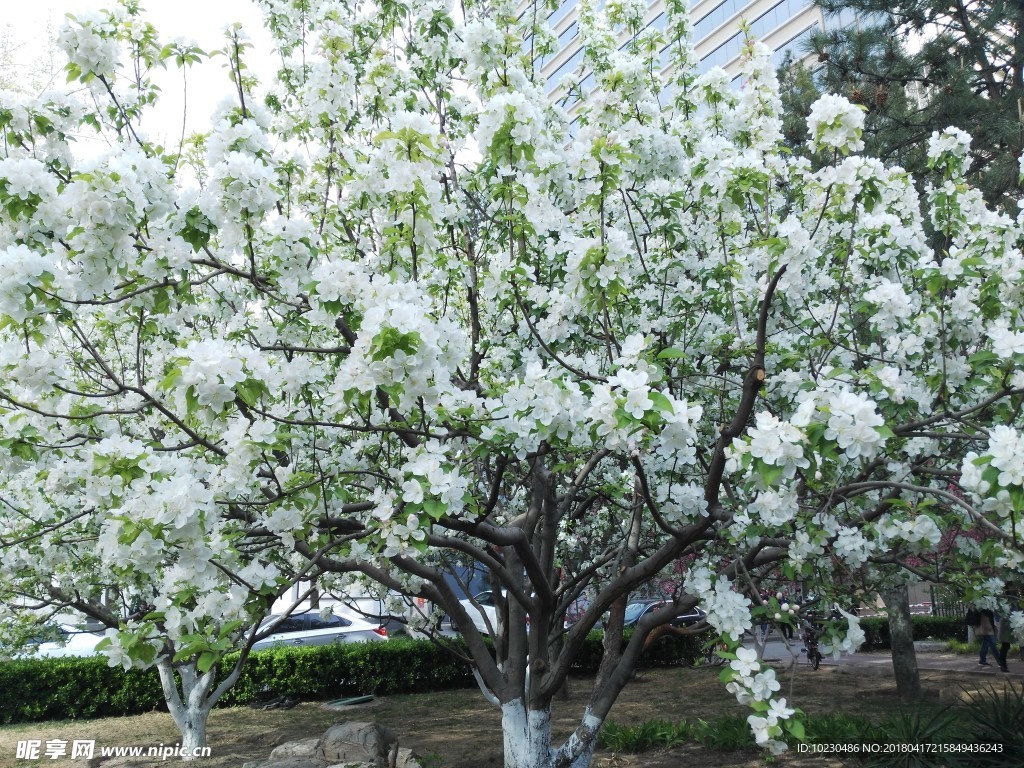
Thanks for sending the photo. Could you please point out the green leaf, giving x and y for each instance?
(983, 357)
(661, 402)
(434, 508)
(170, 381)
(769, 473)
(250, 390)
(161, 301)
(671, 354)
(191, 400)
(796, 728)
(145, 652)
(206, 661)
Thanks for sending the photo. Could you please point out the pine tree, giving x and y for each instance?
(918, 66)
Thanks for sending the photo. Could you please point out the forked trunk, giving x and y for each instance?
(192, 726)
(527, 739)
(527, 736)
(190, 707)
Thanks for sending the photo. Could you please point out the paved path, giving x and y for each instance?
(777, 650)
(949, 662)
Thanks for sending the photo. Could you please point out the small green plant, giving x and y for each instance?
(919, 726)
(959, 646)
(727, 732)
(432, 760)
(997, 717)
(837, 727)
(652, 734)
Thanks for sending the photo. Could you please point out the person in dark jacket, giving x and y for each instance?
(985, 631)
(971, 620)
(1005, 634)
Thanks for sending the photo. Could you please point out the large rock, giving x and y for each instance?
(288, 762)
(356, 743)
(301, 748)
(407, 759)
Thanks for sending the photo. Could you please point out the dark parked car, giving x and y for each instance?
(640, 608)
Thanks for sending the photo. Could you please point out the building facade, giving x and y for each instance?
(782, 25)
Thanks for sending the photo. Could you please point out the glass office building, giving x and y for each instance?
(782, 25)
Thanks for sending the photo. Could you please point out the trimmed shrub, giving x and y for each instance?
(401, 665)
(668, 650)
(61, 689)
(72, 688)
(876, 630)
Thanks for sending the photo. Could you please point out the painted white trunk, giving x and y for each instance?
(190, 707)
(192, 726)
(527, 738)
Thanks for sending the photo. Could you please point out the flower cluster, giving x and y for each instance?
(948, 150)
(755, 686)
(835, 124)
(774, 507)
(845, 642)
(1005, 342)
(895, 306)
(728, 610)
(430, 475)
(90, 42)
(920, 532)
(852, 546)
(211, 371)
(853, 423)
(778, 443)
(22, 271)
(1005, 455)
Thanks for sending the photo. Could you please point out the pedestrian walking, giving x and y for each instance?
(971, 620)
(1005, 638)
(985, 631)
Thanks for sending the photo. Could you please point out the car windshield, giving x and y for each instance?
(634, 610)
(291, 624)
(328, 622)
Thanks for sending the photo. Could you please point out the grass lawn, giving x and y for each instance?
(458, 729)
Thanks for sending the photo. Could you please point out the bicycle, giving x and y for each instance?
(711, 657)
(811, 647)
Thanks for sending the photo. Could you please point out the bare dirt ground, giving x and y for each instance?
(458, 729)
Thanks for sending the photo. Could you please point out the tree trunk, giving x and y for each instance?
(527, 736)
(527, 739)
(191, 724)
(190, 707)
(901, 641)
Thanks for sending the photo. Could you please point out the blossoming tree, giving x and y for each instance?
(408, 308)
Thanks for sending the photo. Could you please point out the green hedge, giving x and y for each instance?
(668, 650)
(401, 665)
(876, 630)
(72, 688)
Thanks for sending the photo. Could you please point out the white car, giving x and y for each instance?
(484, 614)
(76, 642)
(310, 628)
